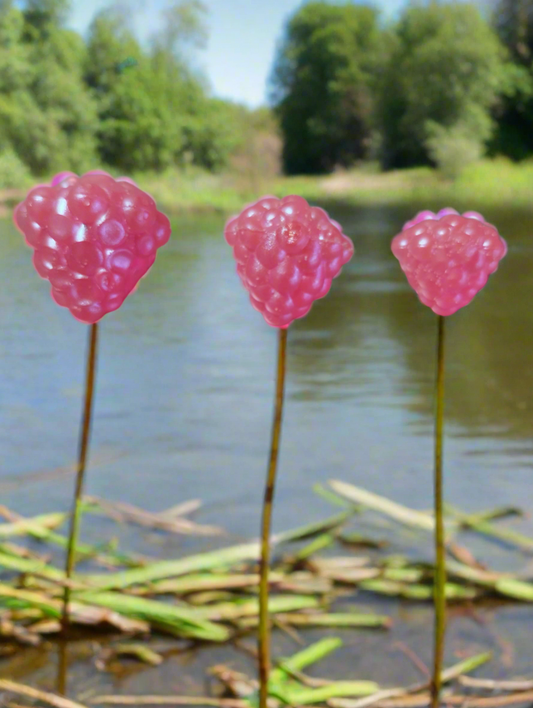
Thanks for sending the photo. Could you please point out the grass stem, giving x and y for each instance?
(440, 566)
(76, 508)
(264, 623)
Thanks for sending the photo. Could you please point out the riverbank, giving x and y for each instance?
(491, 183)
(139, 611)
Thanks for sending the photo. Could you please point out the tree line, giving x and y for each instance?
(445, 83)
(69, 103)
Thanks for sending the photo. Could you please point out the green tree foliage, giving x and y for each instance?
(125, 96)
(452, 149)
(156, 113)
(64, 103)
(184, 28)
(432, 87)
(45, 12)
(513, 20)
(47, 115)
(445, 68)
(322, 85)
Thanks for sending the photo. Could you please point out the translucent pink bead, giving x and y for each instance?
(60, 177)
(287, 254)
(93, 239)
(448, 258)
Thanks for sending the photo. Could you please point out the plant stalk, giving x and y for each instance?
(440, 558)
(264, 622)
(83, 448)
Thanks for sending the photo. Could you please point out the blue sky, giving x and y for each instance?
(242, 43)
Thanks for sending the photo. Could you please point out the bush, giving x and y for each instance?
(322, 85)
(452, 149)
(13, 172)
(446, 65)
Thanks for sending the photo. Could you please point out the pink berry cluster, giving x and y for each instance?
(287, 254)
(94, 237)
(447, 211)
(448, 258)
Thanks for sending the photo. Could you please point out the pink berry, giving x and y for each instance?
(161, 229)
(287, 254)
(93, 238)
(448, 258)
(40, 204)
(87, 202)
(61, 177)
(138, 208)
(33, 233)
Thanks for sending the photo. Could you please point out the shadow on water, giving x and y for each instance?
(183, 409)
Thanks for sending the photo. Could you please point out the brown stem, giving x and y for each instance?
(440, 559)
(264, 623)
(75, 514)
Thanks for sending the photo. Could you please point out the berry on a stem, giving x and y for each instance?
(447, 258)
(287, 254)
(94, 238)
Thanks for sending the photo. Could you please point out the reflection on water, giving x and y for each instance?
(185, 386)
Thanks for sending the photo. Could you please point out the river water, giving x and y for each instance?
(184, 404)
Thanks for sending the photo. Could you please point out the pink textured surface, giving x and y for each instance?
(448, 258)
(287, 254)
(93, 237)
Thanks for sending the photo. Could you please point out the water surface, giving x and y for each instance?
(184, 404)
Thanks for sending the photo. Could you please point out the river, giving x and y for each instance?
(184, 405)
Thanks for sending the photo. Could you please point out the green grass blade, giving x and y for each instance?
(250, 607)
(504, 535)
(30, 566)
(338, 619)
(517, 589)
(182, 621)
(317, 544)
(415, 591)
(337, 689)
(310, 655)
(309, 530)
(36, 525)
(161, 570)
(402, 514)
(23, 599)
(466, 666)
(223, 558)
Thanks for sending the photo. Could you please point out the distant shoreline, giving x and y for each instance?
(487, 184)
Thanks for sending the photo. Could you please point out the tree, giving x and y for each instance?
(184, 28)
(322, 85)
(513, 20)
(133, 133)
(156, 113)
(110, 44)
(43, 13)
(445, 68)
(46, 113)
(63, 102)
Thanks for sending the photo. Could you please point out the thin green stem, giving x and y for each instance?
(75, 515)
(264, 621)
(440, 559)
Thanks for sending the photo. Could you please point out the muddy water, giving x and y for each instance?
(183, 408)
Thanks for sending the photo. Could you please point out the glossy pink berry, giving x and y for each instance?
(448, 258)
(287, 254)
(93, 238)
